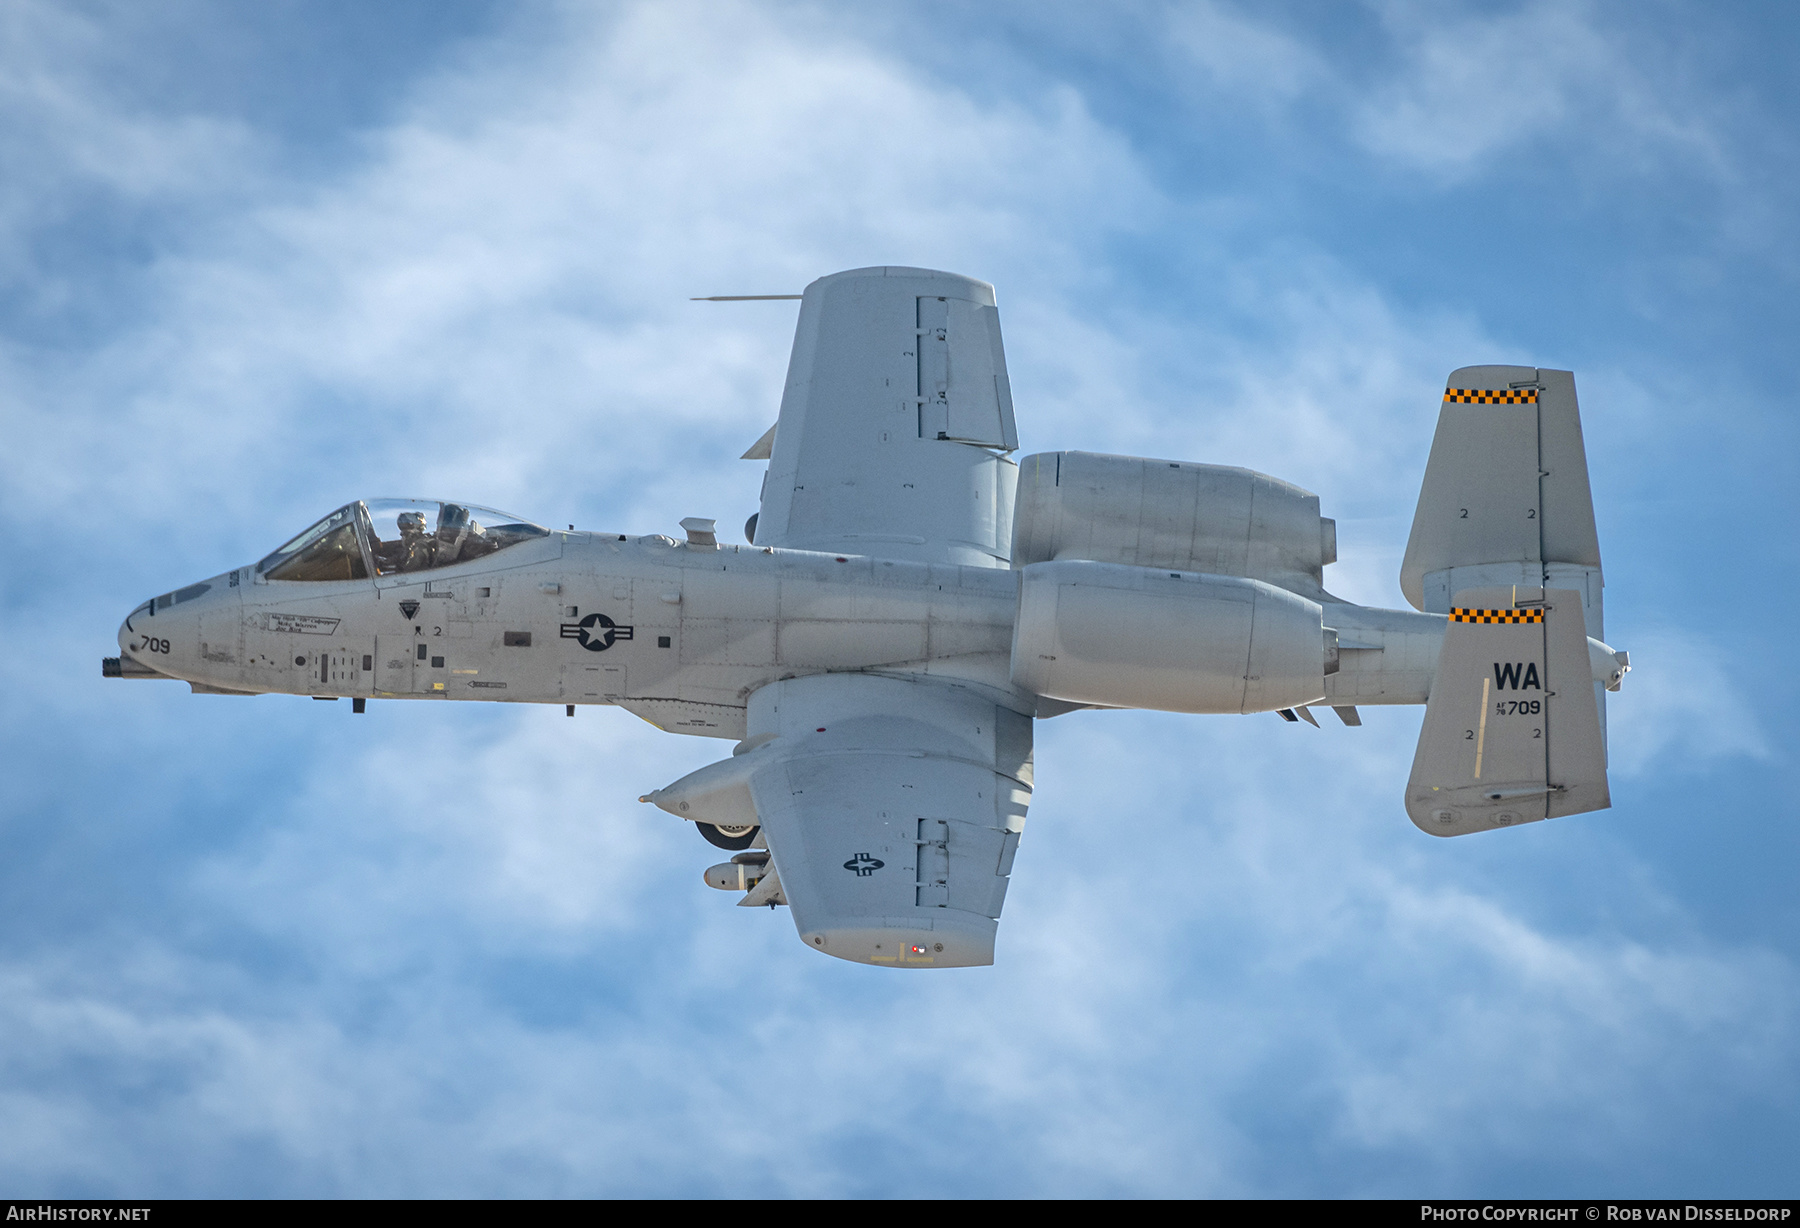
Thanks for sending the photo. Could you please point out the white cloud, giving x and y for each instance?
(1462, 92)
(1472, 89)
(74, 152)
(1682, 708)
(1238, 57)
(435, 949)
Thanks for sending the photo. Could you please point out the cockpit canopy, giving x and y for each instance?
(395, 536)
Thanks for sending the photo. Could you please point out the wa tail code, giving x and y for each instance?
(1517, 676)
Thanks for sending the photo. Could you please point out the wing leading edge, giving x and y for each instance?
(892, 809)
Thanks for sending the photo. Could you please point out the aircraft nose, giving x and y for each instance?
(162, 632)
(135, 629)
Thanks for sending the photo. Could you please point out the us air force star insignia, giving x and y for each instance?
(596, 632)
(862, 865)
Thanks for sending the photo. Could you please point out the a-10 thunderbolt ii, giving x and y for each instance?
(912, 599)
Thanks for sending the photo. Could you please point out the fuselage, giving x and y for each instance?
(679, 633)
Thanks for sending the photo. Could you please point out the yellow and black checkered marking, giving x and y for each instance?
(1495, 616)
(1490, 396)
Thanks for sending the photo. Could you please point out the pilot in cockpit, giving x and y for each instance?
(460, 537)
(414, 550)
(400, 538)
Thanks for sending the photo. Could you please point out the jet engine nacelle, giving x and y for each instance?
(1131, 637)
(1170, 515)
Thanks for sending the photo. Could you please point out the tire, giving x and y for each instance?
(714, 836)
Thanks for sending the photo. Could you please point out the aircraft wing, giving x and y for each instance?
(896, 410)
(892, 809)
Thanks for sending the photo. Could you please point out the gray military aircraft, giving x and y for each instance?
(912, 599)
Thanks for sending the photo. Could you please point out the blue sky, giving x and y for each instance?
(256, 261)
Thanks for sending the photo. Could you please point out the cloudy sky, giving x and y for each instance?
(258, 260)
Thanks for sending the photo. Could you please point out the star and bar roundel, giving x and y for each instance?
(596, 632)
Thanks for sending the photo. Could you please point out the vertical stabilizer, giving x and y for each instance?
(1512, 732)
(1505, 499)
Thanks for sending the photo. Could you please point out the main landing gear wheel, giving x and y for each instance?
(734, 838)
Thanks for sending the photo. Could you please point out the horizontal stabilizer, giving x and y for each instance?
(1512, 730)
